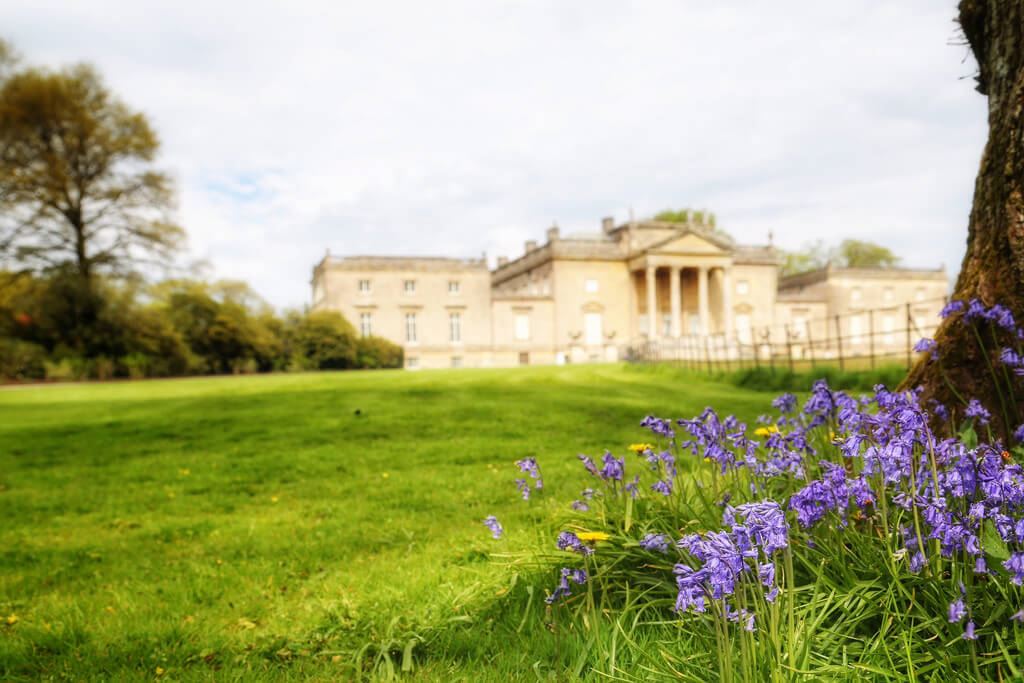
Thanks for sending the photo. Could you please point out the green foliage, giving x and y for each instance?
(781, 379)
(699, 218)
(849, 254)
(50, 326)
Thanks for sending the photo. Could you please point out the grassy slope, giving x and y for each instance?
(258, 527)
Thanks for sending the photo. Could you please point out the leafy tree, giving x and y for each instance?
(323, 340)
(861, 254)
(77, 186)
(993, 265)
(701, 219)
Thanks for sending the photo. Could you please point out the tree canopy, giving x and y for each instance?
(77, 184)
(850, 253)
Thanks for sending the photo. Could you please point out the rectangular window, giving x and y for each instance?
(456, 361)
(887, 294)
(453, 286)
(364, 286)
(365, 324)
(856, 330)
(855, 294)
(742, 287)
(409, 286)
(455, 327)
(410, 327)
(742, 322)
(524, 358)
(592, 328)
(591, 285)
(412, 362)
(522, 326)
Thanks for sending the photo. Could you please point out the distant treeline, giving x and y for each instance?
(51, 327)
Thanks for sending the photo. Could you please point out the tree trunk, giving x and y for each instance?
(993, 267)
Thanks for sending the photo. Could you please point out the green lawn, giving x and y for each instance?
(298, 526)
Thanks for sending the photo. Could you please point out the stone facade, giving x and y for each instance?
(585, 298)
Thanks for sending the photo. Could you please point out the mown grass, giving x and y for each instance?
(300, 526)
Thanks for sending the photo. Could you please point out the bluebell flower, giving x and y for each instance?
(613, 468)
(1010, 357)
(655, 543)
(976, 410)
(524, 488)
(492, 523)
(969, 631)
(927, 346)
(663, 487)
(530, 466)
(690, 585)
(957, 611)
(658, 426)
(563, 590)
(588, 463)
(567, 540)
(580, 506)
(785, 403)
(1016, 565)
(1018, 434)
(633, 487)
(954, 306)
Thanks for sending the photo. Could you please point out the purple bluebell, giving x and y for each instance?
(1012, 358)
(957, 611)
(563, 590)
(633, 487)
(658, 426)
(580, 506)
(954, 306)
(690, 584)
(1016, 565)
(567, 540)
(655, 543)
(663, 487)
(613, 468)
(524, 488)
(927, 346)
(1002, 316)
(492, 523)
(785, 403)
(588, 463)
(1018, 434)
(1018, 616)
(976, 410)
(969, 633)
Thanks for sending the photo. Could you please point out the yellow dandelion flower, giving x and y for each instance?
(640, 447)
(160, 671)
(11, 619)
(385, 475)
(766, 431)
(184, 472)
(593, 536)
(274, 499)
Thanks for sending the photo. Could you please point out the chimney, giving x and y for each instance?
(530, 245)
(607, 224)
(502, 260)
(552, 233)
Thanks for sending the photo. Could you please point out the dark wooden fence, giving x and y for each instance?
(863, 339)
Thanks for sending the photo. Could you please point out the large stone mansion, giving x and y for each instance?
(589, 297)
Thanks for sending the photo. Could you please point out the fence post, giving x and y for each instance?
(910, 321)
(810, 342)
(789, 347)
(871, 336)
(839, 343)
(771, 349)
(707, 356)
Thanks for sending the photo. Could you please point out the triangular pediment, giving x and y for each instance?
(689, 242)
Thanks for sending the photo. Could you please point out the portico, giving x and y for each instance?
(678, 297)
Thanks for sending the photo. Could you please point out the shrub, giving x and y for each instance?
(22, 360)
(377, 352)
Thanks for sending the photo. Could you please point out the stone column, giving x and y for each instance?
(674, 300)
(702, 299)
(730, 332)
(652, 303)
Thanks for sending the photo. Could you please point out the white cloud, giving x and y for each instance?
(454, 127)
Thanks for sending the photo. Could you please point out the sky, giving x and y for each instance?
(455, 128)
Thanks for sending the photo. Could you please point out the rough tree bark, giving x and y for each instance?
(993, 267)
